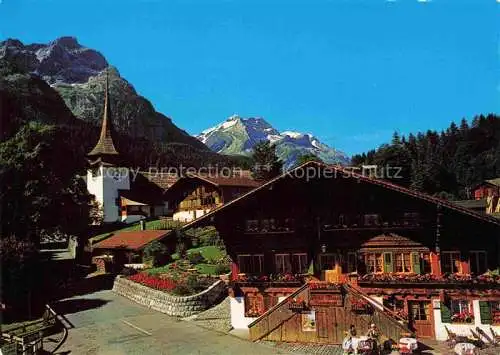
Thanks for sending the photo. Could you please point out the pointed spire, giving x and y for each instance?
(105, 145)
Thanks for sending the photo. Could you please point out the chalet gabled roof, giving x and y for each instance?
(236, 181)
(105, 145)
(349, 174)
(218, 181)
(131, 240)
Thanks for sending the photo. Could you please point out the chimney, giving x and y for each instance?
(143, 225)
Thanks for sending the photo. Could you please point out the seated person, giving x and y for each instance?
(352, 330)
(373, 332)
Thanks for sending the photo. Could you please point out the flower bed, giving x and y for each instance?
(162, 284)
(182, 284)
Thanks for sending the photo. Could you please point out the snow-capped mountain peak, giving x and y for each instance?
(239, 135)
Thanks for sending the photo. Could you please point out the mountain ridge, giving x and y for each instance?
(77, 72)
(238, 136)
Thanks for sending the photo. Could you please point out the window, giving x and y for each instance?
(478, 262)
(394, 304)
(299, 263)
(403, 262)
(254, 305)
(371, 220)
(328, 261)
(461, 311)
(282, 263)
(425, 263)
(419, 311)
(450, 262)
(374, 262)
(411, 218)
(490, 312)
(351, 262)
(341, 220)
(252, 225)
(251, 264)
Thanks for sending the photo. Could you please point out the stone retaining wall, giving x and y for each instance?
(181, 306)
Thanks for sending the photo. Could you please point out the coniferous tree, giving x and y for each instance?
(266, 162)
(449, 163)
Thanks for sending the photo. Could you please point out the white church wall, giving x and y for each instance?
(95, 185)
(114, 179)
(104, 186)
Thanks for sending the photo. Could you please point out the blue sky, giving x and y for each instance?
(349, 71)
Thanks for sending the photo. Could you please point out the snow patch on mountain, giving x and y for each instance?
(239, 135)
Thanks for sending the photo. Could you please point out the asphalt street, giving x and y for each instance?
(106, 323)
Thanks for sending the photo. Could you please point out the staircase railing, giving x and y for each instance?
(276, 315)
(391, 325)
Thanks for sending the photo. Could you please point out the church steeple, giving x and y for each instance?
(104, 150)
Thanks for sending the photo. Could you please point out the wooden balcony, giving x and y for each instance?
(428, 281)
(383, 227)
(267, 281)
(271, 231)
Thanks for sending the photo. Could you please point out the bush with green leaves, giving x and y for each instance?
(195, 258)
(221, 269)
(155, 253)
(181, 249)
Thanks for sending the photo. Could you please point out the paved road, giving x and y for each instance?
(109, 324)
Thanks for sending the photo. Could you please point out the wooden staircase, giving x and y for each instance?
(276, 316)
(390, 325)
(282, 323)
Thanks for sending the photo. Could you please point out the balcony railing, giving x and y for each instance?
(397, 225)
(428, 279)
(289, 280)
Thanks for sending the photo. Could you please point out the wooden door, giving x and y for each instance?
(322, 324)
(421, 319)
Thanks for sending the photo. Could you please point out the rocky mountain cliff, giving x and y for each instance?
(77, 73)
(239, 135)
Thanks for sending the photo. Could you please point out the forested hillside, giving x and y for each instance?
(448, 163)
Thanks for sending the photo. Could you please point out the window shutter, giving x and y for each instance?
(388, 266)
(415, 260)
(485, 311)
(445, 313)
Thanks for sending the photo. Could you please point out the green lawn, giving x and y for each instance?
(210, 253)
(206, 269)
(158, 270)
(152, 225)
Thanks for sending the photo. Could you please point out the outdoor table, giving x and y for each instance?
(408, 345)
(359, 342)
(466, 349)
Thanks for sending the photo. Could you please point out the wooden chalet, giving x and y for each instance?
(487, 188)
(194, 195)
(320, 247)
(126, 247)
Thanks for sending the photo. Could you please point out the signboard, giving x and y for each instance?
(309, 321)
